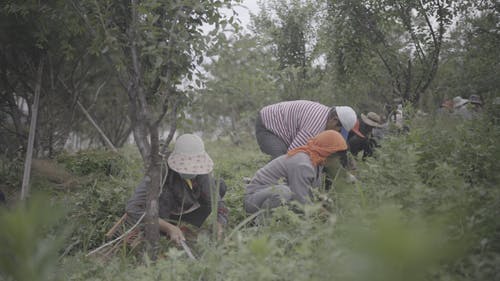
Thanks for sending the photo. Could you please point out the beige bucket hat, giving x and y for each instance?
(189, 156)
(372, 119)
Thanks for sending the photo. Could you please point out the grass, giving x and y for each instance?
(419, 212)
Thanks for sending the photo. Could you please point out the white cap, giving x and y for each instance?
(347, 116)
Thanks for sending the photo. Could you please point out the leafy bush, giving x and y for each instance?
(426, 208)
(31, 239)
(99, 199)
(99, 162)
(11, 173)
(444, 170)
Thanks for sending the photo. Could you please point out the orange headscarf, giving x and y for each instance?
(321, 146)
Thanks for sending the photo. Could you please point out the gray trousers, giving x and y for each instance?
(269, 143)
(267, 198)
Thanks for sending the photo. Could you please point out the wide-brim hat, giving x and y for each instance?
(475, 99)
(372, 119)
(459, 101)
(189, 156)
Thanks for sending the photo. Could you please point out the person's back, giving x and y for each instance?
(293, 171)
(290, 119)
(284, 126)
(291, 176)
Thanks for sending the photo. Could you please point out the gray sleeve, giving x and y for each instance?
(136, 205)
(301, 176)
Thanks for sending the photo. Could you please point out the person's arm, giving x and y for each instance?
(301, 139)
(301, 176)
(136, 206)
(166, 203)
(172, 230)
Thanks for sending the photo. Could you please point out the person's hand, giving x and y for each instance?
(176, 234)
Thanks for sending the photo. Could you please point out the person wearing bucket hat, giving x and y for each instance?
(187, 192)
(367, 143)
(460, 107)
(291, 176)
(287, 125)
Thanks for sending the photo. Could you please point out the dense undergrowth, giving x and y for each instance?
(426, 207)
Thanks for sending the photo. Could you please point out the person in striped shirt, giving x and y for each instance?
(287, 125)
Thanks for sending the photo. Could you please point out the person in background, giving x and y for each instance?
(446, 107)
(476, 104)
(367, 143)
(186, 194)
(284, 126)
(293, 175)
(460, 107)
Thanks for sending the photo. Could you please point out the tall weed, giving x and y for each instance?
(426, 207)
(31, 240)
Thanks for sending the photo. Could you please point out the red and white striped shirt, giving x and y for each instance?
(295, 121)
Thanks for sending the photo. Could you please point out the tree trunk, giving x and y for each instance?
(149, 148)
(152, 206)
(31, 138)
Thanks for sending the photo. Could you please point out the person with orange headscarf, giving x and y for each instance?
(291, 176)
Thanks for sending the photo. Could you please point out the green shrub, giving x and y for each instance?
(426, 208)
(99, 162)
(31, 239)
(445, 170)
(11, 173)
(99, 199)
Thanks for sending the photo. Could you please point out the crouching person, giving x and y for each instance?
(291, 176)
(186, 194)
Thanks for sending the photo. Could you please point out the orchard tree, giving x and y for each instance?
(241, 80)
(151, 45)
(404, 38)
(35, 35)
(471, 62)
(289, 28)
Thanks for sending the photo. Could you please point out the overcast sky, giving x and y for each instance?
(244, 10)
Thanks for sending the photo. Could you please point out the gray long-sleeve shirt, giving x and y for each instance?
(297, 172)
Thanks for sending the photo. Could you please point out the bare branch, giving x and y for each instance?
(405, 16)
(173, 126)
(91, 120)
(97, 95)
